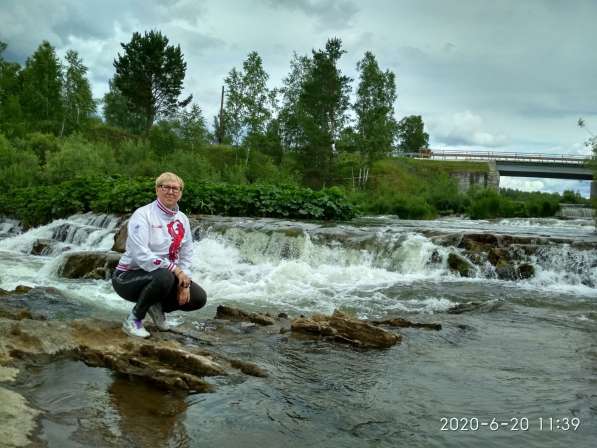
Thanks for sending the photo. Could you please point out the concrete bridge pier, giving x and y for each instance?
(493, 177)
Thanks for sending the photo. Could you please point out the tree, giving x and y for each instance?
(193, 129)
(78, 100)
(322, 110)
(374, 108)
(233, 111)
(41, 96)
(149, 74)
(591, 144)
(117, 113)
(248, 103)
(288, 117)
(411, 134)
(11, 115)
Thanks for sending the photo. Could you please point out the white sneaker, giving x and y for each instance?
(134, 327)
(159, 319)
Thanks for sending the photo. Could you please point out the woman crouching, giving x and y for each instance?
(154, 271)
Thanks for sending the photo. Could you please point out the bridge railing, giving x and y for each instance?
(567, 159)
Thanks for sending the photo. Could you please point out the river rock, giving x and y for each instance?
(229, 313)
(342, 328)
(404, 323)
(160, 360)
(94, 265)
(459, 264)
(506, 271)
(120, 238)
(42, 246)
(526, 271)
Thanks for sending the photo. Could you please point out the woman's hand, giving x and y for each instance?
(184, 280)
(183, 295)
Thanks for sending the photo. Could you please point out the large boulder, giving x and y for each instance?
(94, 265)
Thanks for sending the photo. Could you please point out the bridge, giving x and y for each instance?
(517, 164)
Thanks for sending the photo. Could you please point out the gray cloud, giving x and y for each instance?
(330, 14)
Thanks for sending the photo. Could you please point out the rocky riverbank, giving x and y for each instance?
(181, 360)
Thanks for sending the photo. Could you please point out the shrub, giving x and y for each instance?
(39, 205)
(18, 168)
(79, 158)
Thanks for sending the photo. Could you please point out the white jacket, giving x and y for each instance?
(157, 238)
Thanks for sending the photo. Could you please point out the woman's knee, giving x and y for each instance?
(198, 296)
(164, 278)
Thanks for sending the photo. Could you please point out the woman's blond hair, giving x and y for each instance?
(167, 176)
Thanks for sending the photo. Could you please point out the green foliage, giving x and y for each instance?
(18, 168)
(78, 158)
(40, 144)
(488, 204)
(393, 203)
(322, 112)
(248, 102)
(41, 94)
(39, 205)
(411, 134)
(374, 108)
(78, 101)
(573, 197)
(12, 122)
(118, 114)
(289, 116)
(149, 74)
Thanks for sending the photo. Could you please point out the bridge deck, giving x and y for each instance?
(565, 159)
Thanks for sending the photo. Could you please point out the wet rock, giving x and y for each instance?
(17, 419)
(403, 323)
(526, 271)
(344, 329)
(464, 307)
(42, 247)
(95, 265)
(248, 368)
(506, 271)
(461, 265)
(235, 314)
(120, 238)
(160, 360)
(495, 255)
(20, 289)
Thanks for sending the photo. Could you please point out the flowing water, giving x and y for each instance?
(520, 369)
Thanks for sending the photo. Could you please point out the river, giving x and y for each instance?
(518, 369)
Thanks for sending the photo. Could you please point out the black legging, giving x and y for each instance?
(146, 288)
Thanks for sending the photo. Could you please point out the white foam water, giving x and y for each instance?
(296, 273)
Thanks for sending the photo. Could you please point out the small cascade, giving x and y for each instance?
(575, 211)
(408, 254)
(9, 227)
(79, 232)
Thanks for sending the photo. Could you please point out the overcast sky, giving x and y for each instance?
(505, 75)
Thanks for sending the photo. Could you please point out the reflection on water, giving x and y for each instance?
(84, 406)
(148, 416)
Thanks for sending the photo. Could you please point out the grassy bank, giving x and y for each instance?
(43, 177)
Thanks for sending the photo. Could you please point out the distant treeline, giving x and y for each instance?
(304, 133)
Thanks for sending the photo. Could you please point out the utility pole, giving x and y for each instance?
(221, 130)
